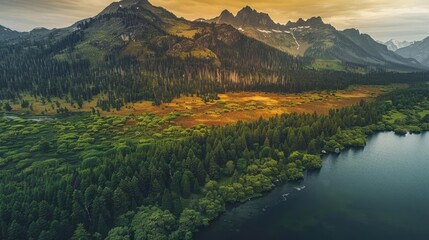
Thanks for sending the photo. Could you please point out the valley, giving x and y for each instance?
(136, 123)
(120, 155)
(228, 109)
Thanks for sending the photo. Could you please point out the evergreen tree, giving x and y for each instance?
(175, 183)
(201, 173)
(78, 213)
(312, 147)
(214, 170)
(120, 201)
(80, 233)
(102, 226)
(177, 205)
(15, 231)
(7, 107)
(186, 186)
(167, 201)
(196, 186)
(34, 230)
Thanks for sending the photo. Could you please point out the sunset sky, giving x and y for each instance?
(382, 19)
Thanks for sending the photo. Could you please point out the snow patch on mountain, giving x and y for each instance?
(264, 31)
(394, 45)
(294, 38)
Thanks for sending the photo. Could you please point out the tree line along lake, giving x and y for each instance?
(380, 191)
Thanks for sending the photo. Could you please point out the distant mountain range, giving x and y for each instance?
(314, 39)
(394, 45)
(418, 50)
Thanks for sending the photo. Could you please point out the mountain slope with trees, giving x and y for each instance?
(312, 38)
(135, 51)
(6, 34)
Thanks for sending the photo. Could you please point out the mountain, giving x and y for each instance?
(135, 51)
(260, 26)
(137, 29)
(312, 38)
(365, 50)
(394, 45)
(6, 33)
(418, 50)
(246, 17)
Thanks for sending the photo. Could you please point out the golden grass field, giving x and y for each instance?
(232, 107)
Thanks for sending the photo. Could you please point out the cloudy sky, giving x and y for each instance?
(383, 19)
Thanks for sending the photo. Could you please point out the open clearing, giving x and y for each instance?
(250, 106)
(232, 107)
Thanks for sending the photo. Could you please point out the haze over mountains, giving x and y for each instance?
(418, 50)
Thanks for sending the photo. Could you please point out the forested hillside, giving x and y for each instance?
(6, 33)
(133, 51)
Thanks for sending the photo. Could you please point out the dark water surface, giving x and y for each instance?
(380, 192)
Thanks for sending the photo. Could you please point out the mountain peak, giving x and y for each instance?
(131, 3)
(2, 28)
(247, 9)
(245, 12)
(249, 16)
(226, 14)
(115, 6)
(7, 33)
(418, 50)
(300, 21)
(394, 45)
(245, 17)
(315, 21)
(352, 31)
(39, 29)
(134, 2)
(226, 17)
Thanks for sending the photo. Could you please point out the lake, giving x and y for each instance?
(379, 192)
